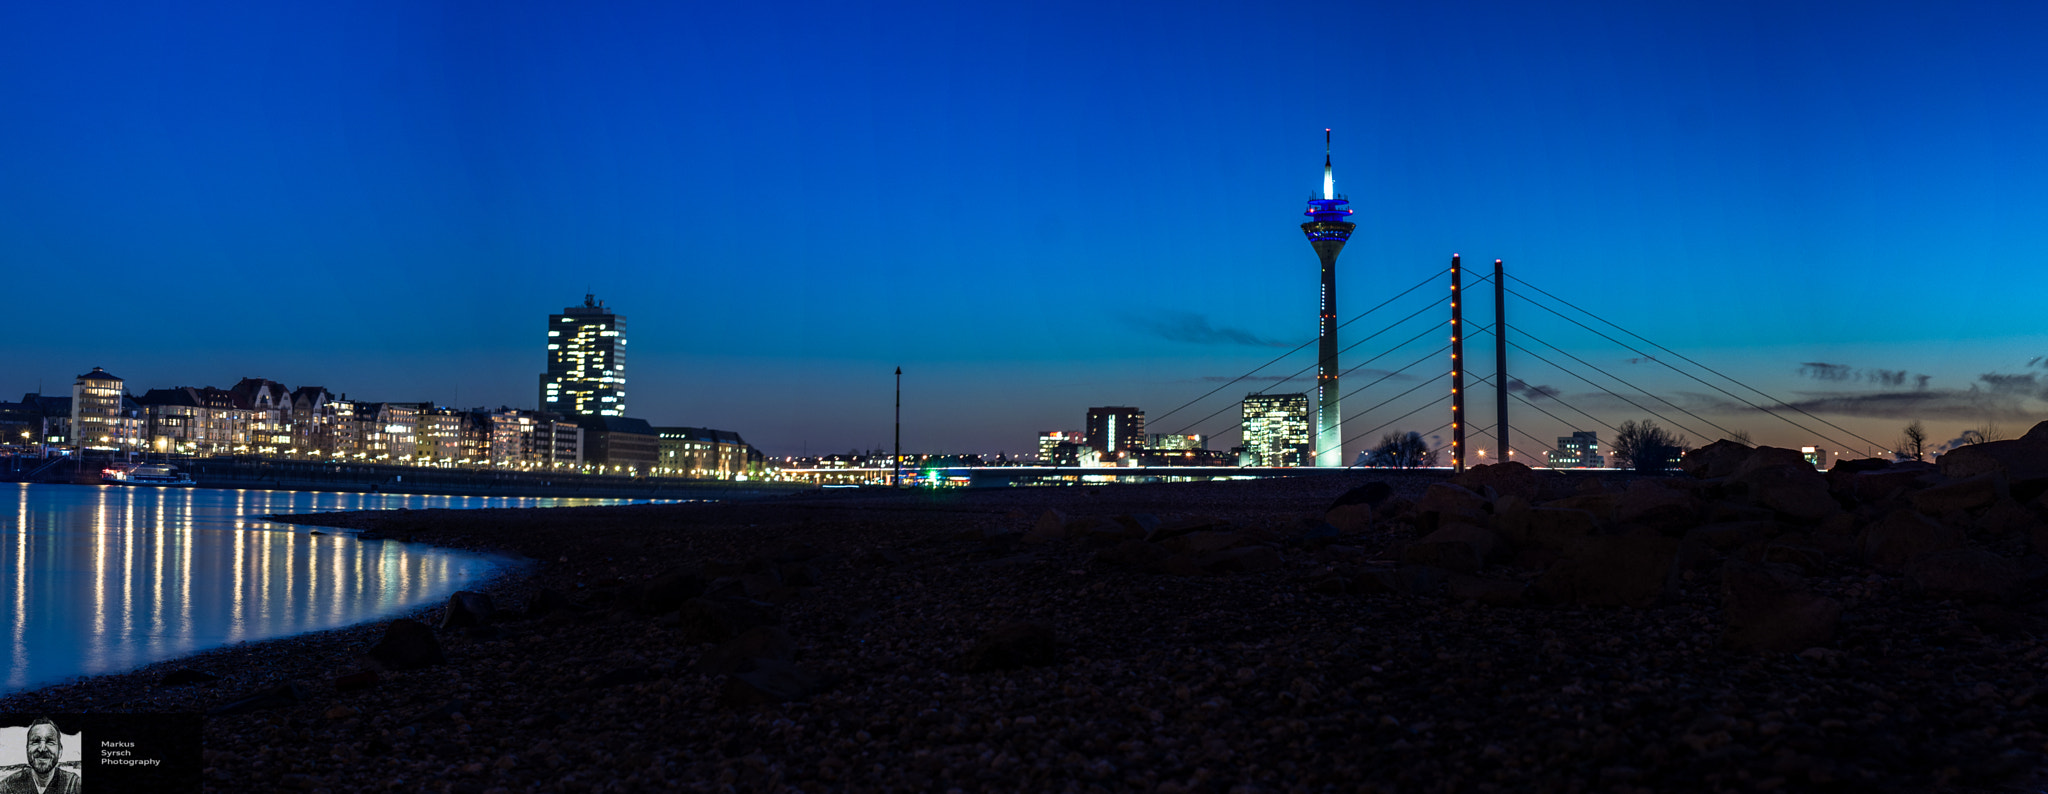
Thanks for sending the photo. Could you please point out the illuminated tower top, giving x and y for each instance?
(1331, 208)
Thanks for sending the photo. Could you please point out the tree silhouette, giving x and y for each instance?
(1646, 447)
(1401, 451)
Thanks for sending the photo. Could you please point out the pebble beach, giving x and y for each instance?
(1226, 636)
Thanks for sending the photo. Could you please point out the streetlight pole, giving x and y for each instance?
(896, 479)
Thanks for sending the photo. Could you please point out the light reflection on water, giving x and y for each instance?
(101, 579)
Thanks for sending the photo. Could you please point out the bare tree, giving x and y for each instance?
(1989, 431)
(1913, 444)
(1646, 447)
(1742, 436)
(1401, 451)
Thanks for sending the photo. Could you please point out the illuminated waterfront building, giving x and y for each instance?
(1049, 449)
(1580, 450)
(1177, 442)
(1114, 429)
(1276, 430)
(586, 362)
(100, 413)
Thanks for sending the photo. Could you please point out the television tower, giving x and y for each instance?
(1327, 233)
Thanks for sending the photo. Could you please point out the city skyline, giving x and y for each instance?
(1793, 196)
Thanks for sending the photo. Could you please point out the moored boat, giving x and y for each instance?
(154, 475)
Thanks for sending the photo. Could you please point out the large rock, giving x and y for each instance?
(667, 591)
(1599, 505)
(1350, 519)
(2006, 517)
(407, 645)
(1456, 547)
(1716, 460)
(1973, 574)
(2020, 459)
(1653, 505)
(1767, 608)
(1012, 646)
(1735, 534)
(1767, 457)
(1505, 479)
(1611, 570)
(1051, 526)
(467, 609)
(1904, 535)
(1372, 494)
(1445, 503)
(1794, 491)
(1557, 528)
(1878, 487)
(1968, 493)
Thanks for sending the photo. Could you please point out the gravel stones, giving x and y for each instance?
(1336, 669)
(1011, 646)
(467, 609)
(1769, 608)
(1612, 570)
(407, 645)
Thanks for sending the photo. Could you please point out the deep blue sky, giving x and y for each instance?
(1032, 209)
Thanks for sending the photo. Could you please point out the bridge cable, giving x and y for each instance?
(1639, 406)
(1298, 373)
(1726, 433)
(1427, 356)
(1682, 357)
(1297, 349)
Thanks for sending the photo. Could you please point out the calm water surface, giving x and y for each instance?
(101, 579)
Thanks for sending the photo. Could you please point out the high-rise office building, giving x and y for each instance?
(1580, 450)
(1276, 430)
(1115, 428)
(1327, 233)
(586, 362)
(1049, 442)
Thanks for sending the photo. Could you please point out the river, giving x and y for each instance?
(103, 579)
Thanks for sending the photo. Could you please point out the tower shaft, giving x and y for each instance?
(1329, 414)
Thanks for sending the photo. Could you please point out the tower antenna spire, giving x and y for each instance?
(1329, 180)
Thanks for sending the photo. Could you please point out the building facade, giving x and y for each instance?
(704, 453)
(1580, 450)
(1050, 451)
(1177, 442)
(618, 445)
(1115, 429)
(1276, 430)
(101, 414)
(586, 362)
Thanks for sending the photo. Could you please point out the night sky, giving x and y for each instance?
(1031, 208)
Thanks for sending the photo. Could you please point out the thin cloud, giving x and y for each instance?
(1528, 392)
(1196, 329)
(1843, 373)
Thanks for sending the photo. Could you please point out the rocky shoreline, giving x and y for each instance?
(1746, 626)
